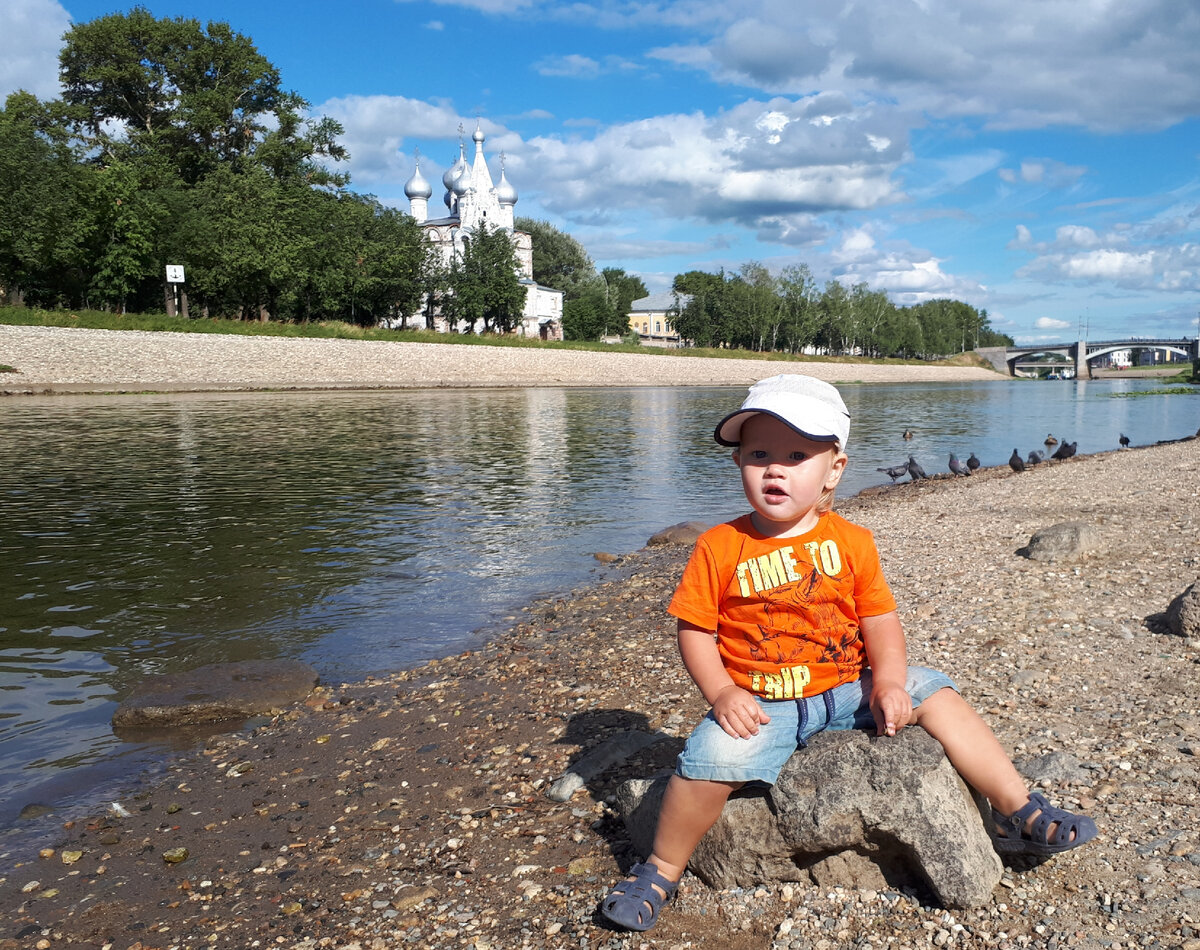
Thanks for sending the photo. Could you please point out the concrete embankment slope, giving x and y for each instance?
(54, 359)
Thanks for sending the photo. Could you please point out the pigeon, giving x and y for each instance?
(973, 463)
(1124, 440)
(1015, 462)
(1062, 452)
(1034, 457)
(1050, 440)
(1070, 447)
(957, 467)
(915, 470)
(895, 471)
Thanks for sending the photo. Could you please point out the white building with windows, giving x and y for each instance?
(472, 200)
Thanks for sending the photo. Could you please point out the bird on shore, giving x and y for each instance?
(1015, 462)
(1050, 440)
(1124, 440)
(915, 470)
(973, 463)
(1071, 446)
(1035, 456)
(895, 471)
(1062, 452)
(957, 467)
(908, 434)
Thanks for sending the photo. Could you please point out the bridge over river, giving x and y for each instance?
(1083, 352)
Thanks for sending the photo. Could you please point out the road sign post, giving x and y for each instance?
(177, 301)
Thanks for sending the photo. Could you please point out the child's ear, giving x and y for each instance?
(836, 470)
(736, 455)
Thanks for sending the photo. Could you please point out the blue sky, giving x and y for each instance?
(1036, 158)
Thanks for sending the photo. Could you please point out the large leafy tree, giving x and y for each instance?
(484, 284)
(620, 291)
(45, 197)
(203, 96)
(559, 261)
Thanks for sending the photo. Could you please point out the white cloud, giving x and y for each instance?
(757, 164)
(1015, 63)
(379, 128)
(577, 66)
(907, 274)
(31, 34)
(436, 25)
(571, 65)
(1049, 323)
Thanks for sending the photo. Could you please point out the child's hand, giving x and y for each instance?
(892, 708)
(737, 712)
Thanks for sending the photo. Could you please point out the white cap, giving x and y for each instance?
(812, 407)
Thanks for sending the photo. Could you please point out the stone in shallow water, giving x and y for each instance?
(686, 532)
(214, 693)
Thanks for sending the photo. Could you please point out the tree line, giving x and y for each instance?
(786, 312)
(175, 143)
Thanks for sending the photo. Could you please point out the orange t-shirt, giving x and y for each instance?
(785, 610)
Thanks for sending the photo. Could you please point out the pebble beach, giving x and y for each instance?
(65, 360)
(410, 810)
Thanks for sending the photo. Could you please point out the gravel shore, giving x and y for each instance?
(54, 359)
(410, 810)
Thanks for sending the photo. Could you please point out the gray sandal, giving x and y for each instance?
(1070, 832)
(635, 904)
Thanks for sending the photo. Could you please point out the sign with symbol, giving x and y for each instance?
(174, 273)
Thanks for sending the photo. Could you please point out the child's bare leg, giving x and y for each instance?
(973, 749)
(975, 752)
(689, 808)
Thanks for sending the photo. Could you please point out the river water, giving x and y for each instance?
(367, 532)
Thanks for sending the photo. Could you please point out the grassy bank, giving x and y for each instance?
(339, 330)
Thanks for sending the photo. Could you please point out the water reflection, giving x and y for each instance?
(370, 531)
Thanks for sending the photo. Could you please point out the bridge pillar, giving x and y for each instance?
(1081, 362)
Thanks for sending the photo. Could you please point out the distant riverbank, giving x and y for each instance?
(65, 360)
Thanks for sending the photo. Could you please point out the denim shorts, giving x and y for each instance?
(712, 754)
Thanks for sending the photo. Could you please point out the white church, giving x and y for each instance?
(471, 200)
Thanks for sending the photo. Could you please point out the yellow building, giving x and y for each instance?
(650, 319)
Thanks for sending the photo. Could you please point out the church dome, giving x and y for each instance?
(455, 171)
(477, 136)
(506, 194)
(417, 186)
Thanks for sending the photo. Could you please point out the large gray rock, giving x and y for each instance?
(1183, 616)
(1062, 542)
(850, 809)
(216, 692)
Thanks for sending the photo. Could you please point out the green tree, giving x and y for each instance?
(484, 284)
(589, 317)
(701, 319)
(801, 318)
(45, 204)
(389, 265)
(201, 96)
(620, 291)
(559, 261)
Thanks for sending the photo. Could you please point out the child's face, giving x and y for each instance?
(785, 474)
